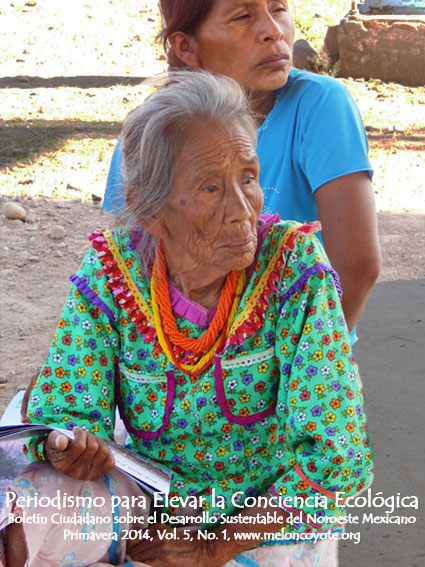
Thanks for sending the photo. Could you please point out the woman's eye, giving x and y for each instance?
(249, 179)
(280, 8)
(241, 17)
(210, 188)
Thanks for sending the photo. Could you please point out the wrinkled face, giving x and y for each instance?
(210, 218)
(248, 40)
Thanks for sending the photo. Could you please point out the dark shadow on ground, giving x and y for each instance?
(21, 141)
(80, 82)
(411, 139)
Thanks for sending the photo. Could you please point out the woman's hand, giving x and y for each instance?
(183, 550)
(86, 457)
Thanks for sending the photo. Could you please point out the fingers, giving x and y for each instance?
(60, 442)
(86, 457)
(56, 442)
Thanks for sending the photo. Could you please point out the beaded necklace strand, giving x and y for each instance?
(169, 336)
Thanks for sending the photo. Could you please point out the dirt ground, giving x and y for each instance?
(34, 282)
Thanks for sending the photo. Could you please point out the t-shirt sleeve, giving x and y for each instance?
(320, 395)
(76, 383)
(333, 141)
(114, 192)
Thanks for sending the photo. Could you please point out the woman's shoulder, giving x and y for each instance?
(285, 235)
(121, 238)
(306, 87)
(283, 241)
(313, 81)
(291, 253)
(111, 251)
(117, 243)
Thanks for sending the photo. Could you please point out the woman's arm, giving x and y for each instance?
(346, 210)
(76, 384)
(320, 398)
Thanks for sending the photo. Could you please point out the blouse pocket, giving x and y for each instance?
(145, 401)
(247, 386)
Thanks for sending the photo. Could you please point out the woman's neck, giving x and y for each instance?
(261, 104)
(194, 287)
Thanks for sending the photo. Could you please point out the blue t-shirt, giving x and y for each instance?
(313, 134)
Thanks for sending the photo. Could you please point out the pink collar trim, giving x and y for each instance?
(190, 310)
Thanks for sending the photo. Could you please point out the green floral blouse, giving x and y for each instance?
(280, 411)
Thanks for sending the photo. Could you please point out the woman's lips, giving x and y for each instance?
(240, 245)
(276, 61)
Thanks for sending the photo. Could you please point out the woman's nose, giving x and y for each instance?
(269, 29)
(237, 206)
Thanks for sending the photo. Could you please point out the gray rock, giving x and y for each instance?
(304, 55)
(57, 232)
(14, 211)
(63, 205)
(30, 218)
(3, 379)
(96, 198)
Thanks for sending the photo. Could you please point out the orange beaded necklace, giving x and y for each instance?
(170, 336)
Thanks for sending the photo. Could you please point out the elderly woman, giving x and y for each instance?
(311, 143)
(219, 335)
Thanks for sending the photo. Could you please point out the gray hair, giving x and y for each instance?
(153, 133)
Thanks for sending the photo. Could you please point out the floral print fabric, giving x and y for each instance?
(280, 412)
(59, 542)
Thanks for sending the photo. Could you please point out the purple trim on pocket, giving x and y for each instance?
(311, 272)
(222, 401)
(81, 285)
(139, 433)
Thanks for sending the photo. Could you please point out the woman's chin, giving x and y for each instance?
(273, 79)
(241, 261)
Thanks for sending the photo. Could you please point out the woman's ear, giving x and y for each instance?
(184, 47)
(153, 226)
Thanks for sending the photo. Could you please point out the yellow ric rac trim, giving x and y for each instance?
(141, 303)
(193, 368)
(259, 288)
